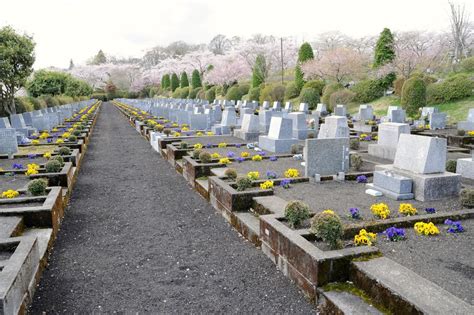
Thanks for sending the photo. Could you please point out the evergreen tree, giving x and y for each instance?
(384, 49)
(196, 79)
(304, 54)
(259, 71)
(165, 81)
(99, 58)
(174, 82)
(183, 81)
(71, 64)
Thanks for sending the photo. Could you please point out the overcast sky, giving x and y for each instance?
(77, 29)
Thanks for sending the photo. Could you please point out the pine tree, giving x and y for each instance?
(304, 54)
(99, 58)
(174, 82)
(259, 71)
(384, 49)
(165, 81)
(183, 81)
(196, 79)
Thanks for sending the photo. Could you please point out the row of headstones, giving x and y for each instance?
(23, 125)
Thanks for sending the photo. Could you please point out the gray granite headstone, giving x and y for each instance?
(229, 117)
(334, 127)
(326, 156)
(437, 120)
(250, 123)
(8, 141)
(340, 110)
(426, 111)
(280, 128)
(303, 107)
(4, 123)
(277, 106)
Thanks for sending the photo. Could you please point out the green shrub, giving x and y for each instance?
(328, 226)
(231, 173)
(461, 132)
(272, 93)
(174, 84)
(196, 79)
(467, 64)
(413, 95)
(193, 93)
(196, 154)
(211, 94)
(183, 81)
(467, 197)
(296, 212)
(72, 138)
(220, 90)
(234, 94)
(244, 88)
(64, 151)
(310, 96)
(354, 144)
(305, 53)
(259, 71)
(451, 166)
(205, 157)
(243, 183)
(49, 100)
(159, 128)
(201, 94)
(38, 103)
(367, 90)
(53, 166)
(76, 133)
(328, 90)
(37, 187)
(316, 84)
(63, 99)
(183, 145)
(291, 91)
(356, 162)
(454, 88)
(398, 85)
(167, 131)
(254, 94)
(58, 158)
(344, 96)
(23, 104)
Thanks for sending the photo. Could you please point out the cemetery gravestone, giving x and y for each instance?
(326, 156)
(279, 139)
(467, 125)
(334, 127)
(8, 141)
(250, 128)
(388, 135)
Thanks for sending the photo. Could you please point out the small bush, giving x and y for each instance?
(367, 90)
(158, 127)
(344, 96)
(167, 131)
(291, 91)
(354, 144)
(37, 187)
(454, 88)
(64, 151)
(318, 85)
(397, 86)
(243, 183)
(63, 99)
(196, 154)
(451, 166)
(296, 212)
(194, 92)
(23, 104)
(467, 64)
(328, 90)
(356, 161)
(231, 173)
(76, 133)
(413, 95)
(296, 148)
(58, 158)
(49, 100)
(328, 226)
(53, 166)
(467, 198)
(272, 93)
(183, 145)
(310, 96)
(461, 132)
(205, 157)
(234, 93)
(254, 94)
(210, 94)
(72, 138)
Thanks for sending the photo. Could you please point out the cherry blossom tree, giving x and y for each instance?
(228, 69)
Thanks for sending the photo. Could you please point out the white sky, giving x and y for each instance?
(77, 29)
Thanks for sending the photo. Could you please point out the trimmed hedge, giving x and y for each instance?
(413, 95)
(344, 97)
(328, 90)
(310, 96)
(367, 90)
(454, 88)
(316, 84)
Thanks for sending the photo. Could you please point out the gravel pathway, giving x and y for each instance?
(136, 238)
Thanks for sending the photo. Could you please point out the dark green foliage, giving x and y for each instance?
(72, 138)
(174, 82)
(37, 187)
(316, 84)
(196, 154)
(183, 145)
(354, 144)
(467, 197)
(328, 227)
(76, 133)
(166, 82)
(193, 93)
(291, 91)
(205, 157)
(183, 81)
(344, 96)
(356, 162)
(98, 59)
(328, 90)
(296, 212)
(451, 166)
(367, 90)
(304, 54)
(413, 95)
(211, 94)
(159, 128)
(310, 96)
(167, 131)
(50, 101)
(254, 94)
(56, 83)
(58, 158)
(196, 79)
(233, 94)
(231, 173)
(24, 104)
(259, 71)
(454, 88)
(243, 183)
(467, 64)
(64, 151)
(53, 166)
(384, 48)
(299, 77)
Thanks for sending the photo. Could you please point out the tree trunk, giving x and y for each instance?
(9, 105)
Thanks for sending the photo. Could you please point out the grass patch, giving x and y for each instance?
(36, 149)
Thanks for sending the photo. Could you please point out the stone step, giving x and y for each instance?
(402, 291)
(273, 204)
(249, 226)
(44, 239)
(11, 226)
(344, 302)
(219, 171)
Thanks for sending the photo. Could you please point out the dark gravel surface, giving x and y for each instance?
(446, 259)
(342, 196)
(13, 182)
(279, 166)
(137, 238)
